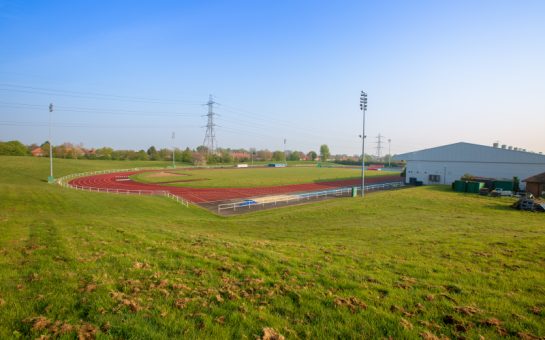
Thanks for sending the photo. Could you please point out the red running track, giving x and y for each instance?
(120, 181)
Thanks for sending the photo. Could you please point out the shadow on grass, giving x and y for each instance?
(504, 206)
(369, 179)
(329, 180)
(439, 187)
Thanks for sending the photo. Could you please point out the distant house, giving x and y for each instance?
(240, 155)
(536, 185)
(37, 152)
(89, 152)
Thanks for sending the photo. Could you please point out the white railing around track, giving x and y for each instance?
(65, 182)
(295, 197)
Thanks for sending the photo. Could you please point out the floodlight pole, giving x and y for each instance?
(389, 152)
(285, 158)
(173, 148)
(363, 108)
(51, 179)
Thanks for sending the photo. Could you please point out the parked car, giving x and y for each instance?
(498, 192)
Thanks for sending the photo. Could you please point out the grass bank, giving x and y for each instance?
(410, 263)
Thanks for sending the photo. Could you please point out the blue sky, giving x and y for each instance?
(128, 73)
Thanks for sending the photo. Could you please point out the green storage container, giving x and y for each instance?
(504, 185)
(474, 187)
(459, 186)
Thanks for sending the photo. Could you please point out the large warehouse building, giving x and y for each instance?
(445, 164)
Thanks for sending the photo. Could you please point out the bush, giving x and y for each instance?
(13, 148)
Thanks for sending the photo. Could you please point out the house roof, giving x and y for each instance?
(37, 150)
(467, 152)
(539, 178)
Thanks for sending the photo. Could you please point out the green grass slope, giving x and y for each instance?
(407, 264)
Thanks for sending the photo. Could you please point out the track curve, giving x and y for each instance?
(121, 181)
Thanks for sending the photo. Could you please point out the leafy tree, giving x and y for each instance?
(119, 154)
(65, 150)
(264, 155)
(13, 148)
(45, 148)
(198, 158)
(32, 147)
(312, 155)
(152, 153)
(186, 156)
(132, 155)
(202, 149)
(226, 156)
(295, 156)
(212, 158)
(324, 152)
(104, 153)
(164, 154)
(142, 155)
(278, 156)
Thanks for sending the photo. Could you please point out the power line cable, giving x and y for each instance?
(85, 125)
(79, 94)
(267, 120)
(97, 110)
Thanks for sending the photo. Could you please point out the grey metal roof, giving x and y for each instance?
(467, 152)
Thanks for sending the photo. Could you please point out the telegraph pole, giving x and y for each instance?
(363, 108)
(50, 179)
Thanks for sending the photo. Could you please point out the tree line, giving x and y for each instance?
(199, 155)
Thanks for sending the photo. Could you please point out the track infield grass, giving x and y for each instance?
(406, 264)
(252, 177)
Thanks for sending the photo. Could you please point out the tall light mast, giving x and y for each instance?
(363, 108)
(50, 179)
(173, 149)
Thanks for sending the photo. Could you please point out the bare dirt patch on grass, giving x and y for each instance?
(165, 174)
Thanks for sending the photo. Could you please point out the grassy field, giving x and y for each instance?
(413, 263)
(252, 177)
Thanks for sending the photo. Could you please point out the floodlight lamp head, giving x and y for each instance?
(51, 107)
